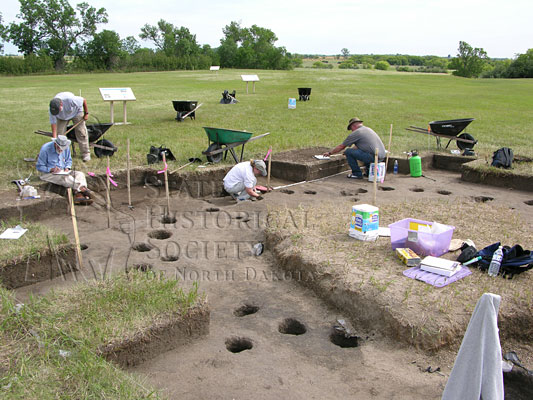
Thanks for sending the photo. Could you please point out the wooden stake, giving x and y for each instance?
(75, 227)
(388, 152)
(375, 176)
(128, 176)
(108, 196)
(269, 165)
(166, 183)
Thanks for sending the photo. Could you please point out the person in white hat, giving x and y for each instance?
(65, 107)
(240, 182)
(55, 164)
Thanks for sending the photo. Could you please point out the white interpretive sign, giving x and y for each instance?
(117, 94)
(250, 78)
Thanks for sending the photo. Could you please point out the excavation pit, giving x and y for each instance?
(416, 190)
(482, 199)
(167, 219)
(291, 326)
(341, 340)
(245, 310)
(160, 234)
(142, 247)
(444, 192)
(237, 344)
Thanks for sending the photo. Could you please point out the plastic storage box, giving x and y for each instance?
(418, 236)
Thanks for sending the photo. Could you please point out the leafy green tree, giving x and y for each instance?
(522, 66)
(382, 65)
(2, 34)
(54, 27)
(469, 62)
(345, 53)
(251, 48)
(130, 45)
(103, 51)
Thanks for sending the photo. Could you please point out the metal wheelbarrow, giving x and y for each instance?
(185, 109)
(223, 140)
(102, 147)
(304, 93)
(449, 129)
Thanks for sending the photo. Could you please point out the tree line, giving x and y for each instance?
(470, 62)
(53, 35)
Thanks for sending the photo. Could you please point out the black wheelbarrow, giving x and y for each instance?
(102, 147)
(223, 140)
(449, 129)
(185, 109)
(304, 93)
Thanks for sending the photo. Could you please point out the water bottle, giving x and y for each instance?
(395, 170)
(496, 262)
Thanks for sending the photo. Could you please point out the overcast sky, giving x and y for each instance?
(416, 27)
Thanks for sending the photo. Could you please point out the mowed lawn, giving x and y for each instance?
(502, 110)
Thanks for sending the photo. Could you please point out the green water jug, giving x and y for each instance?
(415, 164)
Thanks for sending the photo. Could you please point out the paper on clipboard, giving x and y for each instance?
(61, 173)
(321, 157)
(13, 233)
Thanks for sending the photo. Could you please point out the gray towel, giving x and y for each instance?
(477, 372)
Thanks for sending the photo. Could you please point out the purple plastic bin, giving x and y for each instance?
(422, 243)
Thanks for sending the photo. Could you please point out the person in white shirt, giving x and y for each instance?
(240, 182)
(65, 107)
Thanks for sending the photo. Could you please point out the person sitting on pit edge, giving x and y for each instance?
(364, 141)
(55, 163)
(240, 182)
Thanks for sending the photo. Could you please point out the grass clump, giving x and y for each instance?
(50, 346)
(33, 243)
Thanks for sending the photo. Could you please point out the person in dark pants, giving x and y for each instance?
(364, 141)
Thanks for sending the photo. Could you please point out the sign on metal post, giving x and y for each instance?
(250, 78)
(117, 94)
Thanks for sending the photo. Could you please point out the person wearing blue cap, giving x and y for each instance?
(65, 107)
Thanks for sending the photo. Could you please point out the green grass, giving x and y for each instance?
(381, 98)
(33, 243)
(78, 321)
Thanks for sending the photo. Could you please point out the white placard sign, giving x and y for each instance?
(250, 78)
(214, 68)
(117, 94)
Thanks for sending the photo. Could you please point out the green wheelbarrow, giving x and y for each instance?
(221, 141)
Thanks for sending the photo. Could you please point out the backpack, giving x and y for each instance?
(503, 158)
(515, 259)
(156, 155)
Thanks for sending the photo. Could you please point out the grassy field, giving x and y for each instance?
(502, 109)
(50, 345)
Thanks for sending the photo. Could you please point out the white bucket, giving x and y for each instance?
(292, 103)
(381, 172)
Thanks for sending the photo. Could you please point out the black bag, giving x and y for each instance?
(515, 259)
(503, 158)
(156, 155)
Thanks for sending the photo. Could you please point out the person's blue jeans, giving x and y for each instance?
(352, 155)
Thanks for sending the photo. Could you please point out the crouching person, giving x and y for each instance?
(240, 182)
(55, 163)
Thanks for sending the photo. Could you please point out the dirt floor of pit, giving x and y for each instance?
(211, 242)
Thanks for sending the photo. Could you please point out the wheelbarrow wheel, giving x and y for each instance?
(98, 152)
(215, 158)
(464, 145)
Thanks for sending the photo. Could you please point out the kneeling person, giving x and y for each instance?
(55, 163)
(240, 182)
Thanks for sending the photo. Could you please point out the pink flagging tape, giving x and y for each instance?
(109, 175)
(163, 170)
